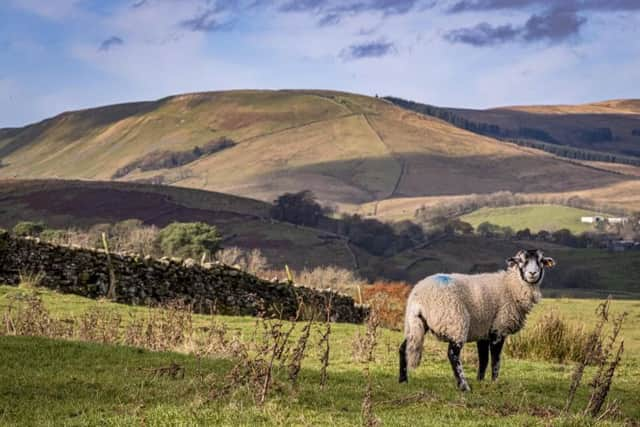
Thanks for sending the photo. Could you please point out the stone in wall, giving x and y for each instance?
(149, 281)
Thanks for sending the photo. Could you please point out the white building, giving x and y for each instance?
(618, 220)
(591, 219)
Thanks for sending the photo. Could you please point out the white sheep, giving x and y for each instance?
(460, 308)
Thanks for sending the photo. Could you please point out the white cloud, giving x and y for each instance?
(268, 49)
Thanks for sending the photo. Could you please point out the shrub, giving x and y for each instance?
(552, 339)
(53, 236)
(388, 300)
(28, 228)
(297, 208)
(172, 159)
(250, 261)
(488, 230)
(331, 277)
(125, 236)
(133, 236)
(189, 239)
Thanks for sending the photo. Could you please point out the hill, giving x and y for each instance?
(610, 127)
(242, 222)
(347, 148)
(245, 223)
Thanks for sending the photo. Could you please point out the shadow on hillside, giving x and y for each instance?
(576, 130)
(437, 175)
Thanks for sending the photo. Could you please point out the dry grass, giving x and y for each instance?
(252, 261)
(554, 339)
(595, 350)
(363, 345)
(388, 300)
(258, 363)
(331, 277)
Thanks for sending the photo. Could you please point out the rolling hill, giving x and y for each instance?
(611, 127)
(245, 223)
(242, 222)
(349, 149)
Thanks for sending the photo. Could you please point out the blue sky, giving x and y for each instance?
(58, 55)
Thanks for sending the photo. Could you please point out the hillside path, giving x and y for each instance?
(396, 157)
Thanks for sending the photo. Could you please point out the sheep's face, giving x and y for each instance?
(530, 265)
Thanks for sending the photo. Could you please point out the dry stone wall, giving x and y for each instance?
(148, 281)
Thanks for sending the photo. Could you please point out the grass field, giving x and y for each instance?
(534, 217)
(49, 382)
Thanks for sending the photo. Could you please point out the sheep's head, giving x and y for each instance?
(530, 264)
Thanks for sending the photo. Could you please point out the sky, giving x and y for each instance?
(61, 55)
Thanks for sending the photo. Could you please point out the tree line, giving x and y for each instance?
(386, 239)
(173, 159)
(527, 136)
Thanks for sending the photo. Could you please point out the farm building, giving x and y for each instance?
(591, 219)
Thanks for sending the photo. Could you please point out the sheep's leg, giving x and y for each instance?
(483, 358)
(496, 350)
(456, 365)
(403, 362)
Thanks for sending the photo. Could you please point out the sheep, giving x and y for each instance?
(461, 308)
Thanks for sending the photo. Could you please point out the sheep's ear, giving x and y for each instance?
(512, 262)
(548, 262)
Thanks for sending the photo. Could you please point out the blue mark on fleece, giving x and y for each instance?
(443, 279)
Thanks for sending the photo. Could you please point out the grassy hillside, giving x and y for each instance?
(346, 148)
(242, 222)
(573, 125)
(86, 384)
(533, 217)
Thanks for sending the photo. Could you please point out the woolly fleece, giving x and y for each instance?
(462, 308)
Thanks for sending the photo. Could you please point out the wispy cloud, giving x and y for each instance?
(483, 34)
(110, 43)
(333, 12)
(578, 5)
(207, 21)
(372, 49)
(551, 21)
(552, 26)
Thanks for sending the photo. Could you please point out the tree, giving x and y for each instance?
(564, 237)
(486, 229)
(523, 234)
(298, 208)
(189, 239)
(461, 227)
(28, 228)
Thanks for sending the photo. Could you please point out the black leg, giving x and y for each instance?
(496, 349)
(456, 365)
(403, 362)
(483, 358)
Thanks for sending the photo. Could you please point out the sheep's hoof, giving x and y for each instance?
(464, 387)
